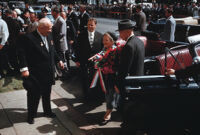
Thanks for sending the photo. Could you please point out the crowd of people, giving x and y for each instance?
(153, 11)
(36, 45)
(32, 45)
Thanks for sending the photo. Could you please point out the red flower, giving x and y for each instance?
(107, 61)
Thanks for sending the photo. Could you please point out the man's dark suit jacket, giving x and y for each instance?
(140, 21)
(83, 21)
(71, 31)
(13, 28)
(84, 50)
(131, 60)
(74, 18)
(34, 55)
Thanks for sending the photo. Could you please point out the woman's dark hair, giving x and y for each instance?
(112, 36)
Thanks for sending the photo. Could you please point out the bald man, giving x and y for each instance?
(37, 59)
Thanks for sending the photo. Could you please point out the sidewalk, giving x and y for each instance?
(13, 114)
(74, 117)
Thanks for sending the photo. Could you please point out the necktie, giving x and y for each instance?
(90, 38)
(46, 43)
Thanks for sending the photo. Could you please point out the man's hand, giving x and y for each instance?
(71, 42)
(61, 65)
(78, 64)
(1, 46)
(25, 74)
(116, 89)
(92, 58)
(170, 72)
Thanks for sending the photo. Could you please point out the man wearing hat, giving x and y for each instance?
(131, 58)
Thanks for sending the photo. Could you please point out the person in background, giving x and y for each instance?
(26, 17)
(195, 10)
(44, 12)
(71, 36)
(71, 16)
(84, 16)
(170, 26)
(34, 23)
(47, 7)
(4, 34)
(59, 32)
(14, 32)
(140, 19)
(18, 11)
(28, 7)
(37, 58)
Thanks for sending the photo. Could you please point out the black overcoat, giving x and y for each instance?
(84, 49)
(131, 60)
(33, 54)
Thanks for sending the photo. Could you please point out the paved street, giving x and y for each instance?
(107, 24)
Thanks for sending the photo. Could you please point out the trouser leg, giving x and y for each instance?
(46, 102)
(84, 79)
(1, 65)
(32, 102)
(4, 59)
(67, 59)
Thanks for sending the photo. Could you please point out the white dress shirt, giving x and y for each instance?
(83, 14)
(4, 33)
(44, 39)
(91, 37)
(130, 36)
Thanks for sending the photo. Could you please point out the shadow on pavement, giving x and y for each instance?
(10, 116)
(86, 113)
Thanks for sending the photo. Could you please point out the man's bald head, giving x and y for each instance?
(44, 26)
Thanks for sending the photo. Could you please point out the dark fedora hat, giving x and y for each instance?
(126, 24)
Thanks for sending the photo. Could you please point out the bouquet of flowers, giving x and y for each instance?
(107, 59)
(106, 62)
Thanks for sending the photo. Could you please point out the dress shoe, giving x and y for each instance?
(104, 122)
(49, 115)
(30, 120)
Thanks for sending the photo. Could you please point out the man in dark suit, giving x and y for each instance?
(73, 17)
(131, 58)
(14, 31)
(84, 16)
(140, 19)
(4, 34)
(89, 43)
(170, 26)
(59, 32)
(37, 58)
